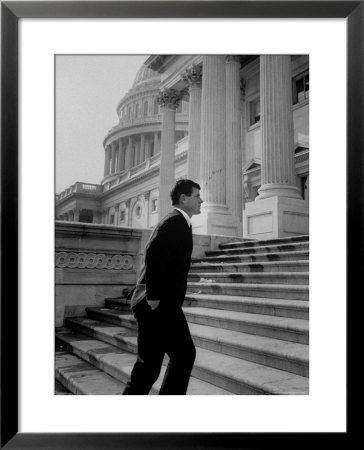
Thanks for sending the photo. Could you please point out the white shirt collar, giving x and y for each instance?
(185, 215)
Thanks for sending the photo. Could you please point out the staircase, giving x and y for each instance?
(247, 308)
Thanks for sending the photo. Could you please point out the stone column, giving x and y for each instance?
(156, 143)
(213, 130)
(113, 157)
(128, 154)
(215, 217)
(103, 216)
(169, 100)
(107, 160)
(76, 215)
(116, 219)
(234, 185)
(142, 148)
(120, 155)
(128, 212)
(97, 216)
(193, 78)
(147, 147)
(278, 210)
(136, 153)
(147, 207)
(278, 167)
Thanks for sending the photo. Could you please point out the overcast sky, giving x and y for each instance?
(88, 89)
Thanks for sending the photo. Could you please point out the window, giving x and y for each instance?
(145, 109)
(122, 215)
(154, 205)
(254, 111)
(138, 212)
(136, 110)
(112, 216)
(129, 112)
(301, 88)
(86, 215)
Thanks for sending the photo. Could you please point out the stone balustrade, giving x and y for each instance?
(139, 168)
(80, 187)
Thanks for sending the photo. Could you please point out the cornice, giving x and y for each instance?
(136, 128)
(133, 126)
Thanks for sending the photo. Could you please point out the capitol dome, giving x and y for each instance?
(145, 75)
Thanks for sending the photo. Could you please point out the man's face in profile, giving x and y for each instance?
(192, 204)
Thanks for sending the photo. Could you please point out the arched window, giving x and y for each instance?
(145, 108)
(129, 112)
(136, 110)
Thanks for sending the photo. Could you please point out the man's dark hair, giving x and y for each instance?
(182, 187)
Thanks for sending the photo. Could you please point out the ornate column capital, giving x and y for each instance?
(169, 98)
(146, 195)
(193, 76)
(127, 202)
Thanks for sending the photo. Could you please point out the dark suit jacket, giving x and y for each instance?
(167, 262)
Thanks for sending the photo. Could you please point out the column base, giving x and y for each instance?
(275, 217)
(279, 190)
(215, 218)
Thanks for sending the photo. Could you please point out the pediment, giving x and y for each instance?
(254, 163)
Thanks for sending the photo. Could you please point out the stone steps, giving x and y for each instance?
(282, 355)
(292, 330)
(115, 364)
(258, 243)
(59, 389)
(82, 378)
(298, 255)
(230, 374)
(247, 308)
(276, 248)
(292, 292)
(266, 267)
(287, 329)
(301, 278)
(297, 309)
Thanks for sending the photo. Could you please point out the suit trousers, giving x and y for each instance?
(161, 331)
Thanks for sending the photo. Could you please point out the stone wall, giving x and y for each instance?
(94, 262)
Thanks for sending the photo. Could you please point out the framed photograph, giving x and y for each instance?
(36, 39)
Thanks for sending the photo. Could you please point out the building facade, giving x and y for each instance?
(238, 125)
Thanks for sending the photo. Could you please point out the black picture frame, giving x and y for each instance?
(11, 12)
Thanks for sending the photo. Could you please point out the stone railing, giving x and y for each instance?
(139, 168)
(155, 158)
(94, 262)
(80, 188)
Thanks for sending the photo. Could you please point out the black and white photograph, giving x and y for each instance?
(181, 203)
(182, 224)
